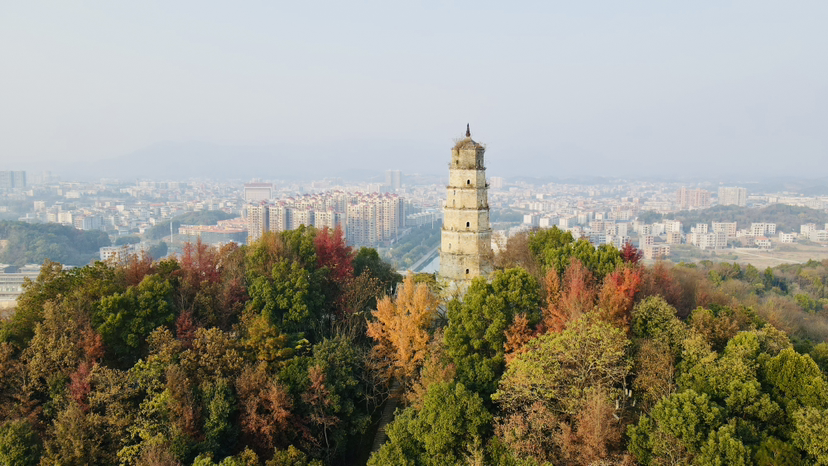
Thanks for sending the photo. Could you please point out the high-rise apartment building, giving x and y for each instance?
(361, 223)
(366, 219)
(692, 198)
(279, 217)
(466, 241)
(733, 196)
(12, 180)
(258, 221)
(257, 192)
(393, 179)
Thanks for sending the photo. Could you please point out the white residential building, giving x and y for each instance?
(733, 196)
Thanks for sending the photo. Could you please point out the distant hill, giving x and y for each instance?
(787, 218)
(185, 160)
(24, 243)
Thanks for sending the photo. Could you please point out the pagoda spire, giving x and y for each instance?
(468, 132)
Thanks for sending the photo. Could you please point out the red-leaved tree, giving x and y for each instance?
(570, 301)
(630, 253)
(333, 253)
(617, 295)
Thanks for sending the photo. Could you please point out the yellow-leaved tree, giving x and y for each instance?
(401, 330)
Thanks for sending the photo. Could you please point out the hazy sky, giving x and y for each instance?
(553, 88)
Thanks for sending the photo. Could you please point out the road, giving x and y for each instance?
(746, 252)
(415, 267)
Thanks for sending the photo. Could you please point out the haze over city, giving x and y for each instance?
(211, 89)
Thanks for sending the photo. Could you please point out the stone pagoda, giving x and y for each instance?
(466, 241)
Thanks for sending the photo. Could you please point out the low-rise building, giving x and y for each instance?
(728, 228)
(762, 242)
(11, 282)
(656, 251)
(786, 238)
(818, 236)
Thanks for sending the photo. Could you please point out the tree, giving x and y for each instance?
(475, 335)
(199, 283)
(264, 408)
(811, 433)
(76, 439)
(597, 432)
(517, 253)
(576, 297)
(367, 260)
(630, 253)
(555, 317)
(654, 318)
(334, 254)
(675, 430)
(219, 408)
(450, 425)
(124, 320)
(554, 248)
(796, 380)
(333, 395)
(136, 268)
(561, 369)
(617, 296)
(290, 296)
(292, 456)
(51, 283)
(819, 353)
(658, 281)
(724, 448)
(655, 370)
(517, 335)
(533, 432)
(436, 368)
(400, 330)
(19, 444)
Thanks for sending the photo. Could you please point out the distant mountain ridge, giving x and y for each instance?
(356, 160)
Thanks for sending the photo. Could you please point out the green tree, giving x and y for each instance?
(654, 318)
(220, 405)
(52, 283)
(450, 426)
(475, 335)
(559, 370)
(333, 396)
(76, 439)
(775, 452)
(367, 260)
(811, 433)
(724, 448)
(125, 320)
(290, 297)
(554, 249)
(819, 353)
(292, 456)
(796, 381)
(19, 444)
(675, 430)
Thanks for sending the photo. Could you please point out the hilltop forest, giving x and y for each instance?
(23, 243)
(286, 352)
(786, 217)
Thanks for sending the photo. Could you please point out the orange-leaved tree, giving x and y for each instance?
(617, 296)
(401, 329)
(570, 301)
